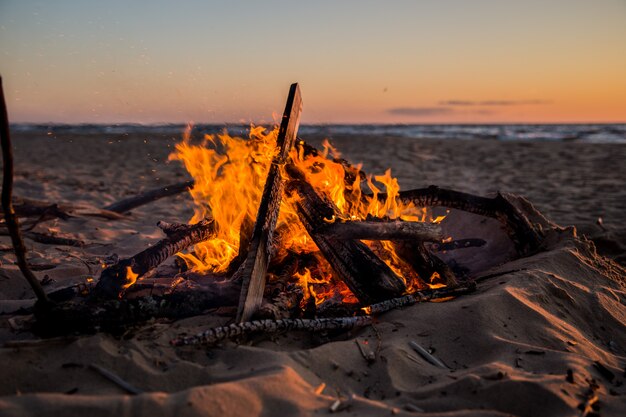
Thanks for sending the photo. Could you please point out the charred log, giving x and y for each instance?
(179, 237)
(382, 230)
(254, 268)
(457, 244)
(423, 262)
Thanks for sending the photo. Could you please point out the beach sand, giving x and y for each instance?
(510, 345)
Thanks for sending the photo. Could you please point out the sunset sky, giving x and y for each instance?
(440, 61)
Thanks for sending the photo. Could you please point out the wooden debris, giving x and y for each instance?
(116, 379)
(381, 230)
(365, 349)
(48, 239)
(150, 196)
(457, 244)
(217, 334)
(424, 262)
(427, 355)
(12, 221)
(179, 237)
(44, 210)
(254, 268)
(416, 297)
(525, 237)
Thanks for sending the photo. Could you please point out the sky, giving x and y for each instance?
(439, 61)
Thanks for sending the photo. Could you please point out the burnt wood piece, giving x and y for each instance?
(254, 268)
(11, 219)
(217, 334)
(525, 237)
(457, 244)
(423, 262)
(89, 315)
(146, 197)
(369, 278)
(179, 237)
(382, 230)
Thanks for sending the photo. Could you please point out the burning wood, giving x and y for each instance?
(254, 267)
(123, 274)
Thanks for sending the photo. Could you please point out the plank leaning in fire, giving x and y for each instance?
(254, 268)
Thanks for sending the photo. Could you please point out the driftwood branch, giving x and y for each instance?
(382, 230)
(146, 197)
(254, 268)
(7, 202)
(114, 279)
(525, 237)
(218, 334)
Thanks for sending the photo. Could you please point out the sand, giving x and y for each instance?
(509, 345)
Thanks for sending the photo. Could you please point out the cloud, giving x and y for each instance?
(420, 111)
(494, 102)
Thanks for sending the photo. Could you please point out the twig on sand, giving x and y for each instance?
(146, 197)
(117, 380)
(48, 239)
(427, 355)
(218, 334)
(367, 352)
(7, 203)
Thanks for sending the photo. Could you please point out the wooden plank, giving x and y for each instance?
(254, 268)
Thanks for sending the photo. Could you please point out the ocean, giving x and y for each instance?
(590, 133)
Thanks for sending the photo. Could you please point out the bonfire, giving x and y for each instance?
(295, 237)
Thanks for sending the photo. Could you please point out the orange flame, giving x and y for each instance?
(131, 278)
(229, 174)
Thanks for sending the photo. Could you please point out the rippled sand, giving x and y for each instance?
(509, 346)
